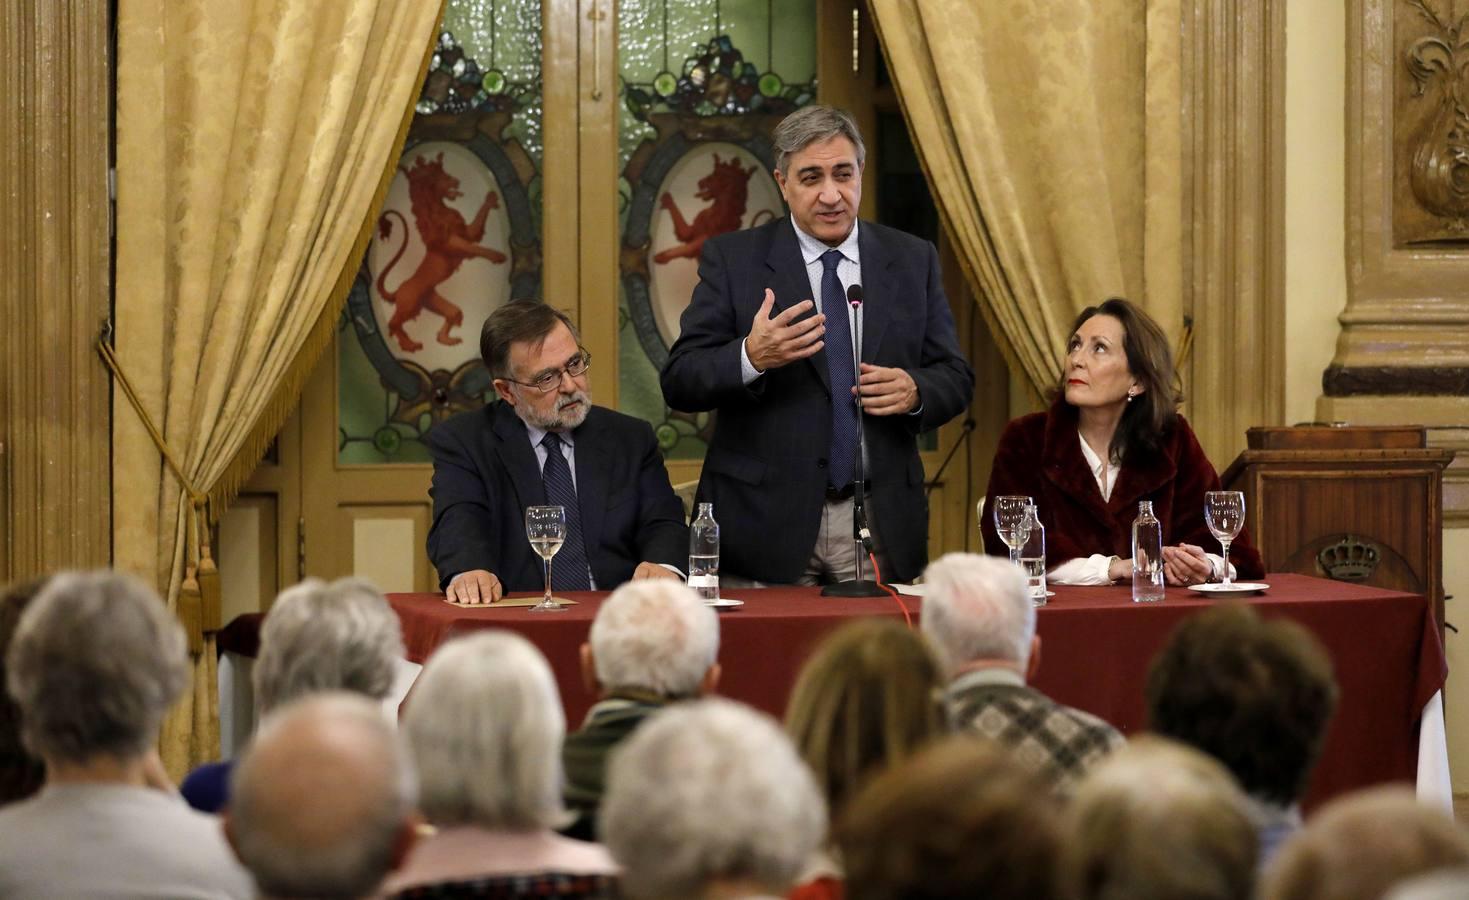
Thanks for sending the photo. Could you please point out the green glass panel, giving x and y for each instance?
(682, 62)
(407, 356)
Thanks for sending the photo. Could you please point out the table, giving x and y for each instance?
(1096, 646)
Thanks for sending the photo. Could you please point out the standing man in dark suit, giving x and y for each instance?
(545, 442)
(767, 340)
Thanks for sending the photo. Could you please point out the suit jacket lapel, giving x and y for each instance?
(788, 280)
(1064, 466)
(1141, 476)
(878, 294)
(517, 456)
(593, 478)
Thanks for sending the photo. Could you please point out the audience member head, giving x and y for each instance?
(1158, 820)
(319, 636)
(654, 636)
(485, 726)
(1445, 884)
(1255, 694)
(1149, 405)
(1359, 846)
(870, 695)
(709, 796)
(976, 610)
(961, 818)
(21, 774)
(517, 322)
(94, 664)
(323, 799)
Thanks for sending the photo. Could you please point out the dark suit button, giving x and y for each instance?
(821, 463)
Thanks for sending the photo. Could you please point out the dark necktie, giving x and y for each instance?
(569, 568)
(839, 366)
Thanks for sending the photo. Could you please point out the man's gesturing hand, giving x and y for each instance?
(885, 391)
(775, 341)
(474, 586)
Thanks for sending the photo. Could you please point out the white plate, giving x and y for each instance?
(1238, 588)
(725, 603)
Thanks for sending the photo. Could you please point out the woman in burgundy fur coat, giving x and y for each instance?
(1112, 437)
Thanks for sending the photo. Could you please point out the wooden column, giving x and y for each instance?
(55, 101)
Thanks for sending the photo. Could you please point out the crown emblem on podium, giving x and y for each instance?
(1349, 559)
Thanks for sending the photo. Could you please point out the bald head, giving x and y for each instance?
(322, 802)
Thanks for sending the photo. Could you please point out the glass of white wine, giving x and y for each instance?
(545, 527)
(1224, 513)
(1012, 521)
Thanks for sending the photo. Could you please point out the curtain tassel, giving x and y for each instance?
(210, 608)
(190, 611)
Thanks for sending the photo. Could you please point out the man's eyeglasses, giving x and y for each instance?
(550, 381)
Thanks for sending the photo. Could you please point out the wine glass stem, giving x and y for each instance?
(1225, 545)
(1015, 556)
(547, 598)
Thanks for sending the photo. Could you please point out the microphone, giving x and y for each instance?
(861, 534)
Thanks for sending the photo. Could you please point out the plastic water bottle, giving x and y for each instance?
(1033, 559)
(1147, 555)
(704, 554)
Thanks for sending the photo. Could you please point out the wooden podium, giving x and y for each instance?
(1354, 503)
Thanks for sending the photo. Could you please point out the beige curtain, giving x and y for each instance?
(1049, 132)
(254, 140)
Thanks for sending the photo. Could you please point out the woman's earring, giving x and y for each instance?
(1130, 395)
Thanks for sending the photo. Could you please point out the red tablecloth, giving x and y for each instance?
(1095, 650)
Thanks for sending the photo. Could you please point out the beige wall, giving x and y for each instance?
(1315, 196)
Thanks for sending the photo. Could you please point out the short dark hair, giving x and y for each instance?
(1152, 413)
(1256, 695)
(516, 321)
(962, 818)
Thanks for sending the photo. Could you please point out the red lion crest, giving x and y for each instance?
(727, 189)
(447, 242)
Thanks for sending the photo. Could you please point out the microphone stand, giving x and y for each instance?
(861, 534)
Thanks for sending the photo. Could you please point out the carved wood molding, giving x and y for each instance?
(1234, 216)
(1406, 269)
(55, 96)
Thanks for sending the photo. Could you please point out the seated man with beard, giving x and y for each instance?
(544, 443)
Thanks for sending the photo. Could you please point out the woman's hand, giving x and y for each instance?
(1119, 569)
(1186, 564)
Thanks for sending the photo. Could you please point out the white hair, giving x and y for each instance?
(323, 637)
(656, 635)
(321, 797)
(977, 607)
(95, 662)
(486, 724)
(707, 791)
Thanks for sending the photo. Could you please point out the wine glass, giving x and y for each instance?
(545, 527)
(1012, 521)
(1224, 513)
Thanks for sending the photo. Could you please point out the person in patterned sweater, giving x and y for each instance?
(979, 617)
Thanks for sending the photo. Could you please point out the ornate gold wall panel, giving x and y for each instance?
(54, 211)
(1403, 353)
(1405, 330)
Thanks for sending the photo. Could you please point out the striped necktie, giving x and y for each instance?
(840, 454)
(569, 568)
